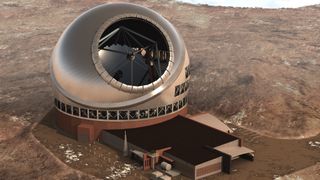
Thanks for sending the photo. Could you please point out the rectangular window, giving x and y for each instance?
(161, 110)
(187, 71)
(182, 88)
(123, 115)
(75, 111)
(184, 100)
(84, 112)
(186, 86)
(113, 115)
(153, 112)
(93, 114)
(180, 104)
(103, 115)
(55, 102)
(133, 114)
(58, 104)
(63, 107)
(177, 91)
(169, 109)
(69, 110)
(143, 114)
(176, 106)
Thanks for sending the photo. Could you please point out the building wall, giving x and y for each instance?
(226, 158)
(111, 140)
(185, 168)
(116, 142)
(208, 168)
(229, 144)
(70, 124)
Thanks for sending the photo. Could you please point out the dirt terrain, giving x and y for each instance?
(310, 173)
(257, 69)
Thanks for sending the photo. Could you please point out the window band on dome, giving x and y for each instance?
(98, 114)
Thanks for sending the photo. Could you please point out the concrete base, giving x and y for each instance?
(88, 130)
(85, 133)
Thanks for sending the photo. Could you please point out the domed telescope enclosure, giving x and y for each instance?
(118, 66)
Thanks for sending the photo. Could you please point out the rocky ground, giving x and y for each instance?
(255, 68)
(310, 173)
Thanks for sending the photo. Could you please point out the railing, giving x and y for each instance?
(104, 114)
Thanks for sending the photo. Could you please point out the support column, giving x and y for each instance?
(226, 163)
(85, 133)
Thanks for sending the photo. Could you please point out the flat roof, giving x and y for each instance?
(187, 138)
(234, 151)
(211, 121)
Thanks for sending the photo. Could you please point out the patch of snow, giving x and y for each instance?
(268, 4)
(237, 118)
(61, 146)
(315, 144)
(43, 49)
(313, 62)
(120, 172)
(286, 63)
(23, 120)
(203, 89)
(287, 87)
(227, 121)
(10, 4)
(286, 177)
(70, 154)
(3, 47)
(261, 109)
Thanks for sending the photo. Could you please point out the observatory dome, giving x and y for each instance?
(117, 63)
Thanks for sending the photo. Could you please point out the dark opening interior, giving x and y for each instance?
(134, 51)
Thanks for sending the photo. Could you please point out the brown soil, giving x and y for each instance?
(310, 173)
(256, 68)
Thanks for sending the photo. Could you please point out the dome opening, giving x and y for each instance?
(134, 51)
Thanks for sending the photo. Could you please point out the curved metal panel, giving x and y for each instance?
(74, 69)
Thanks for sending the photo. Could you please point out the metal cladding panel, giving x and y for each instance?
(73, 69)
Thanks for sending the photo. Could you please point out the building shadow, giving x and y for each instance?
(49, 120)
